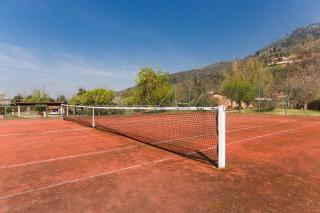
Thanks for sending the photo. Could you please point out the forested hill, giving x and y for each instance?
(303, 37)
(210, 77)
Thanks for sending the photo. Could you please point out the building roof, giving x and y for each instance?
(37, 103)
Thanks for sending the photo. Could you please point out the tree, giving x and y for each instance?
(17, 98)
(77, 100)
(81, 91)
(247, 80)
(152, 88)
(97, 96)
(61, 99)
(241, 91)
(38, 96)
(304, 77)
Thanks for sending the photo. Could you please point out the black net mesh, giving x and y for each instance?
(192, 134)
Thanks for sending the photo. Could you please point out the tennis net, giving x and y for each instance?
(194, 132)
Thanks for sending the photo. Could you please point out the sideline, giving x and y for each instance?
(43, 132)
(273, 133)
(66, 157)
(84, 178)
(263, 125)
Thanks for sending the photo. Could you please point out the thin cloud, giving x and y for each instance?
(54, 68)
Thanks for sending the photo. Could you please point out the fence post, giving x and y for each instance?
(221, 137)
(5, 112)
(19, 111)
(93, 118)
(61, 111)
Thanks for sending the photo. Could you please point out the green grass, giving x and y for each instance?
(282, 112)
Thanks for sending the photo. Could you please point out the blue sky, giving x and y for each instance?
(60, 45)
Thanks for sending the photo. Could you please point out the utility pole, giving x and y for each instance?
(286, 101)
(202, 96)
(189, 95)
(238, 102)
(259, 88)
(175, 95)
(43, 91)
(259, 101)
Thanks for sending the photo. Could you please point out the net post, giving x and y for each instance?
(221, 137)
(93, 118)
(67, 110)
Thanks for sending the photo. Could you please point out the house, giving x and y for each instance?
(282, 60)
(223, 100)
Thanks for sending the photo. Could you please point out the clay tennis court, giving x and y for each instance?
(273, 164)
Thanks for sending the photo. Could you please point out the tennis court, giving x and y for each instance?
(54, 165)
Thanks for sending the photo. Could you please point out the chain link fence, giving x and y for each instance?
(35, 111)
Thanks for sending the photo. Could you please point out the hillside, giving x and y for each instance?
(301, 38)
(211, 76)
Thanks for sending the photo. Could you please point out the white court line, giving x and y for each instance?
(260, 136)
(273, 133)
(67, 157)
(83, 179)
(264, 125)
(43, 132)
(110, 150)
(132, 167)
(129, 147)
(85, 154)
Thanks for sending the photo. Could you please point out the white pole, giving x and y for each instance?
(61, 112)
(221, 137)
(67, 111)
(93, 118)
(18, 110)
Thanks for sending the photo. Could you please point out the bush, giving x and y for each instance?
(40, 108)
(314, 105)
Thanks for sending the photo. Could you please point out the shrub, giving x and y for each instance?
(314, 105)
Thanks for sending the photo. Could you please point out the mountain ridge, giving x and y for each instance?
(303, 37)
(211, 76)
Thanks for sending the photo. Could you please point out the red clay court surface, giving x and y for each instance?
(60, 166)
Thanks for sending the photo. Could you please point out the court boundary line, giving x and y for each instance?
(261, 136)
(67, 157)
(270, 134)
(4, 197)
(263, 125)
(87, 154)
(43, 132)
(129, 147)
(132, 167)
